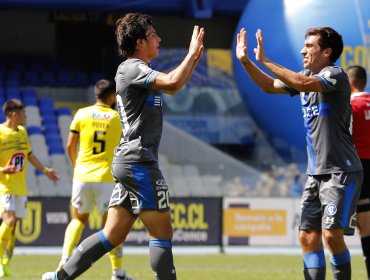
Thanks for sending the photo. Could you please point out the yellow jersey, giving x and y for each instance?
(99, 130)
(14, 151)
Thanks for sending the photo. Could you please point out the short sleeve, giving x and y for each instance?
(75, 124)
(330, 78)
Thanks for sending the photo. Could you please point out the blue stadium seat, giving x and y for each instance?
(34, 130)
(56, 149)
(46, 106)
(12, 93)
(31, 77)
(11, 83)
(53, 138)
(14, 75)
(2, 117)
(81, 79)
(30, 101)
(65, 79)
(51, 130)
(94, 77)
(29, 92)
(62, 111)
(48, 79)
(46, 102)
(49, 121)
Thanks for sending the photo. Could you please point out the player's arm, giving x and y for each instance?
(50, 172)
(173, 81)
(292, 79)
(72, 146)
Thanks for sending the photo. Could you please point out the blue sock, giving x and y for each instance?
(161, 259)
(314, 265)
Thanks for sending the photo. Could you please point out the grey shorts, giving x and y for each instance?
(140, 186)
(329, 201)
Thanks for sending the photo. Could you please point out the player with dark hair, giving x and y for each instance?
(360, 101)
(330, 196)
(140, 191)
(15, 152)
(95, 130)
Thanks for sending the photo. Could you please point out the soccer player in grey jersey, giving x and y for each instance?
(334, 170)
(141, 191)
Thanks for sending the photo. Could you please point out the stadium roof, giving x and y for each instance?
(191, 8)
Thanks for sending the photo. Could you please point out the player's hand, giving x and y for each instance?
(241, 46)
(196, 43)
(260, 51)
(199, 55)
(52, 174)
(9, 169)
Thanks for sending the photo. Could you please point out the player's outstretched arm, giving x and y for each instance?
(173, 81)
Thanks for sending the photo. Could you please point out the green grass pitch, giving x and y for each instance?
(189, 267)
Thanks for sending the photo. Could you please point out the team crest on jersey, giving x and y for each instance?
(101, 116)
(18, 161)
(331, 209)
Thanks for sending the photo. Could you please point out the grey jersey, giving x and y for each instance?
(327, 117)
(140, 112)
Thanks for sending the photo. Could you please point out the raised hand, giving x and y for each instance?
(196, 43)
(259, 51)
(241, 46)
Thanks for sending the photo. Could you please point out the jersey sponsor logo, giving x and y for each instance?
(331, 209)
(330, 80)
(316, 110)
(309, 112)
(161, 185)
(161, 182)
(101, 116)
(18, 161)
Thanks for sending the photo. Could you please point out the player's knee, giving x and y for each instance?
(310, 240)
(10, 221)
(302, 236)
